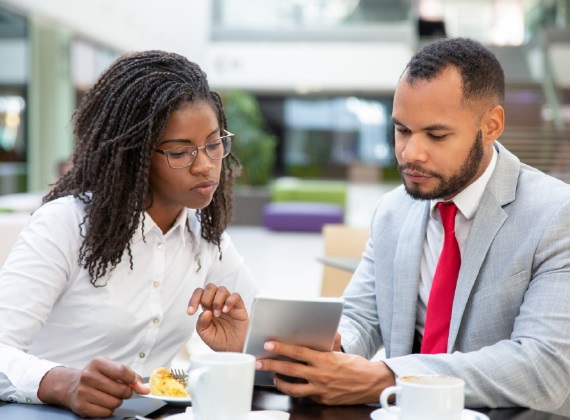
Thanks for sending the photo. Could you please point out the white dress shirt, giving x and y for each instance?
(51, 314)
(467, 202)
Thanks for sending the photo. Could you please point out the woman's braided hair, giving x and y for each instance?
(117, 125)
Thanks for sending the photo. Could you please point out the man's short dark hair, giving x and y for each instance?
(481, 73)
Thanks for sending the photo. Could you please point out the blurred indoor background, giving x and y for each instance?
(320, 75)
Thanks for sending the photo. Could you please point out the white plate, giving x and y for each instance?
(466, 414)
(171, 400)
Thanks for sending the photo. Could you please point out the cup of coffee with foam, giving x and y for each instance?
(426, 397)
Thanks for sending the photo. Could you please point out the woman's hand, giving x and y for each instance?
(95, 391)
(223, 322)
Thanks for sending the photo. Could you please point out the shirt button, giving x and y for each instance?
(155, 320)
(159, 245)
(142, 355)
(28, 400)
(155, 284)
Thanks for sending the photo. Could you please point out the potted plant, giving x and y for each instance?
(254, 146)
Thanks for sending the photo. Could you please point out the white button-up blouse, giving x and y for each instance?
(51, 314)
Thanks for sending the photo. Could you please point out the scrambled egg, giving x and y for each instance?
(163, 383)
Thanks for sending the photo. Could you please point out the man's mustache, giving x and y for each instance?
(417, 168)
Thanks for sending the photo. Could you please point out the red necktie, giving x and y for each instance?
(440, 302)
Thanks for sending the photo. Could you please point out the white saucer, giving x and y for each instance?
(466, 414)
(171, 400)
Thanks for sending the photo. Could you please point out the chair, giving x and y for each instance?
(300, 216)
(341, 241)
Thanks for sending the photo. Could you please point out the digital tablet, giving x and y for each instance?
(309, 323)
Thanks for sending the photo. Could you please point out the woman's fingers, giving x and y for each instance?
(195, 300)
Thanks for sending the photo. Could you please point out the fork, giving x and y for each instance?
(179, 375)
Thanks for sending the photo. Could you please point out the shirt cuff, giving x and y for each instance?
(26, 379)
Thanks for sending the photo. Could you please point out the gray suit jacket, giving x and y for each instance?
(510, 329)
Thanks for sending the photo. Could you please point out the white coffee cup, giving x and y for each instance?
(221, 385)
(426, 397)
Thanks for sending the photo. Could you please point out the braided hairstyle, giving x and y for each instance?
(483, 79)
(117, 125)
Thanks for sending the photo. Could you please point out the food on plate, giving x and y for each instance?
(163, 383)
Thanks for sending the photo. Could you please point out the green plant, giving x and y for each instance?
(253, 145)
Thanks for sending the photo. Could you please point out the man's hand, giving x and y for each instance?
(337, 343)
(223, 322)
(333, 378)
(95, 391)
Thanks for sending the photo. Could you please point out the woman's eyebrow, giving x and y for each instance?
(214, 131)
(176, 141)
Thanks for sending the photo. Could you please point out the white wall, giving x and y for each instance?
(307, 67)
(469, 18)
(184, 26)
(176, 25)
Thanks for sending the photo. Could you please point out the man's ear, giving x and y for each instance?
(492, 124)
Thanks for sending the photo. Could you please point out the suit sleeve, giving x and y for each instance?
(359, 326)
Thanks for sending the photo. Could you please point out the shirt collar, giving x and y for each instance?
(149, 225)
(467, 201)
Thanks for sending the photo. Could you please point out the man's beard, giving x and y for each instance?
(452, 185)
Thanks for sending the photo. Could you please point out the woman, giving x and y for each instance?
(116, 260)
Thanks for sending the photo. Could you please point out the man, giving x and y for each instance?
(495, 309)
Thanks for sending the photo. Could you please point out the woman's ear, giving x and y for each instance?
(492, 124)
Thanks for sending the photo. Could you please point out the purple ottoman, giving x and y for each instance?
(300, 216)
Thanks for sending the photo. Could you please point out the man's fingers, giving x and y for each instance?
(294, 390)
(303, 354)
(293, 369)
(337, 343)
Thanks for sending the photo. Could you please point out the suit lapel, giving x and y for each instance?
(488, 219)
(487, 222)
(406, 279)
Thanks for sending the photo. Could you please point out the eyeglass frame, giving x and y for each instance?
(198, 148)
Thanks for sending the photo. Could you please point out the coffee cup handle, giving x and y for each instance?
(384, 399)
(194, 378)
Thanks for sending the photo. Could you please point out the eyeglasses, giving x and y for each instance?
(182, 157)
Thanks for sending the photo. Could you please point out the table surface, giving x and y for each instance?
(263, 399)
(302, 409)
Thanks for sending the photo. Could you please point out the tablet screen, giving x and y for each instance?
(310, 323)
